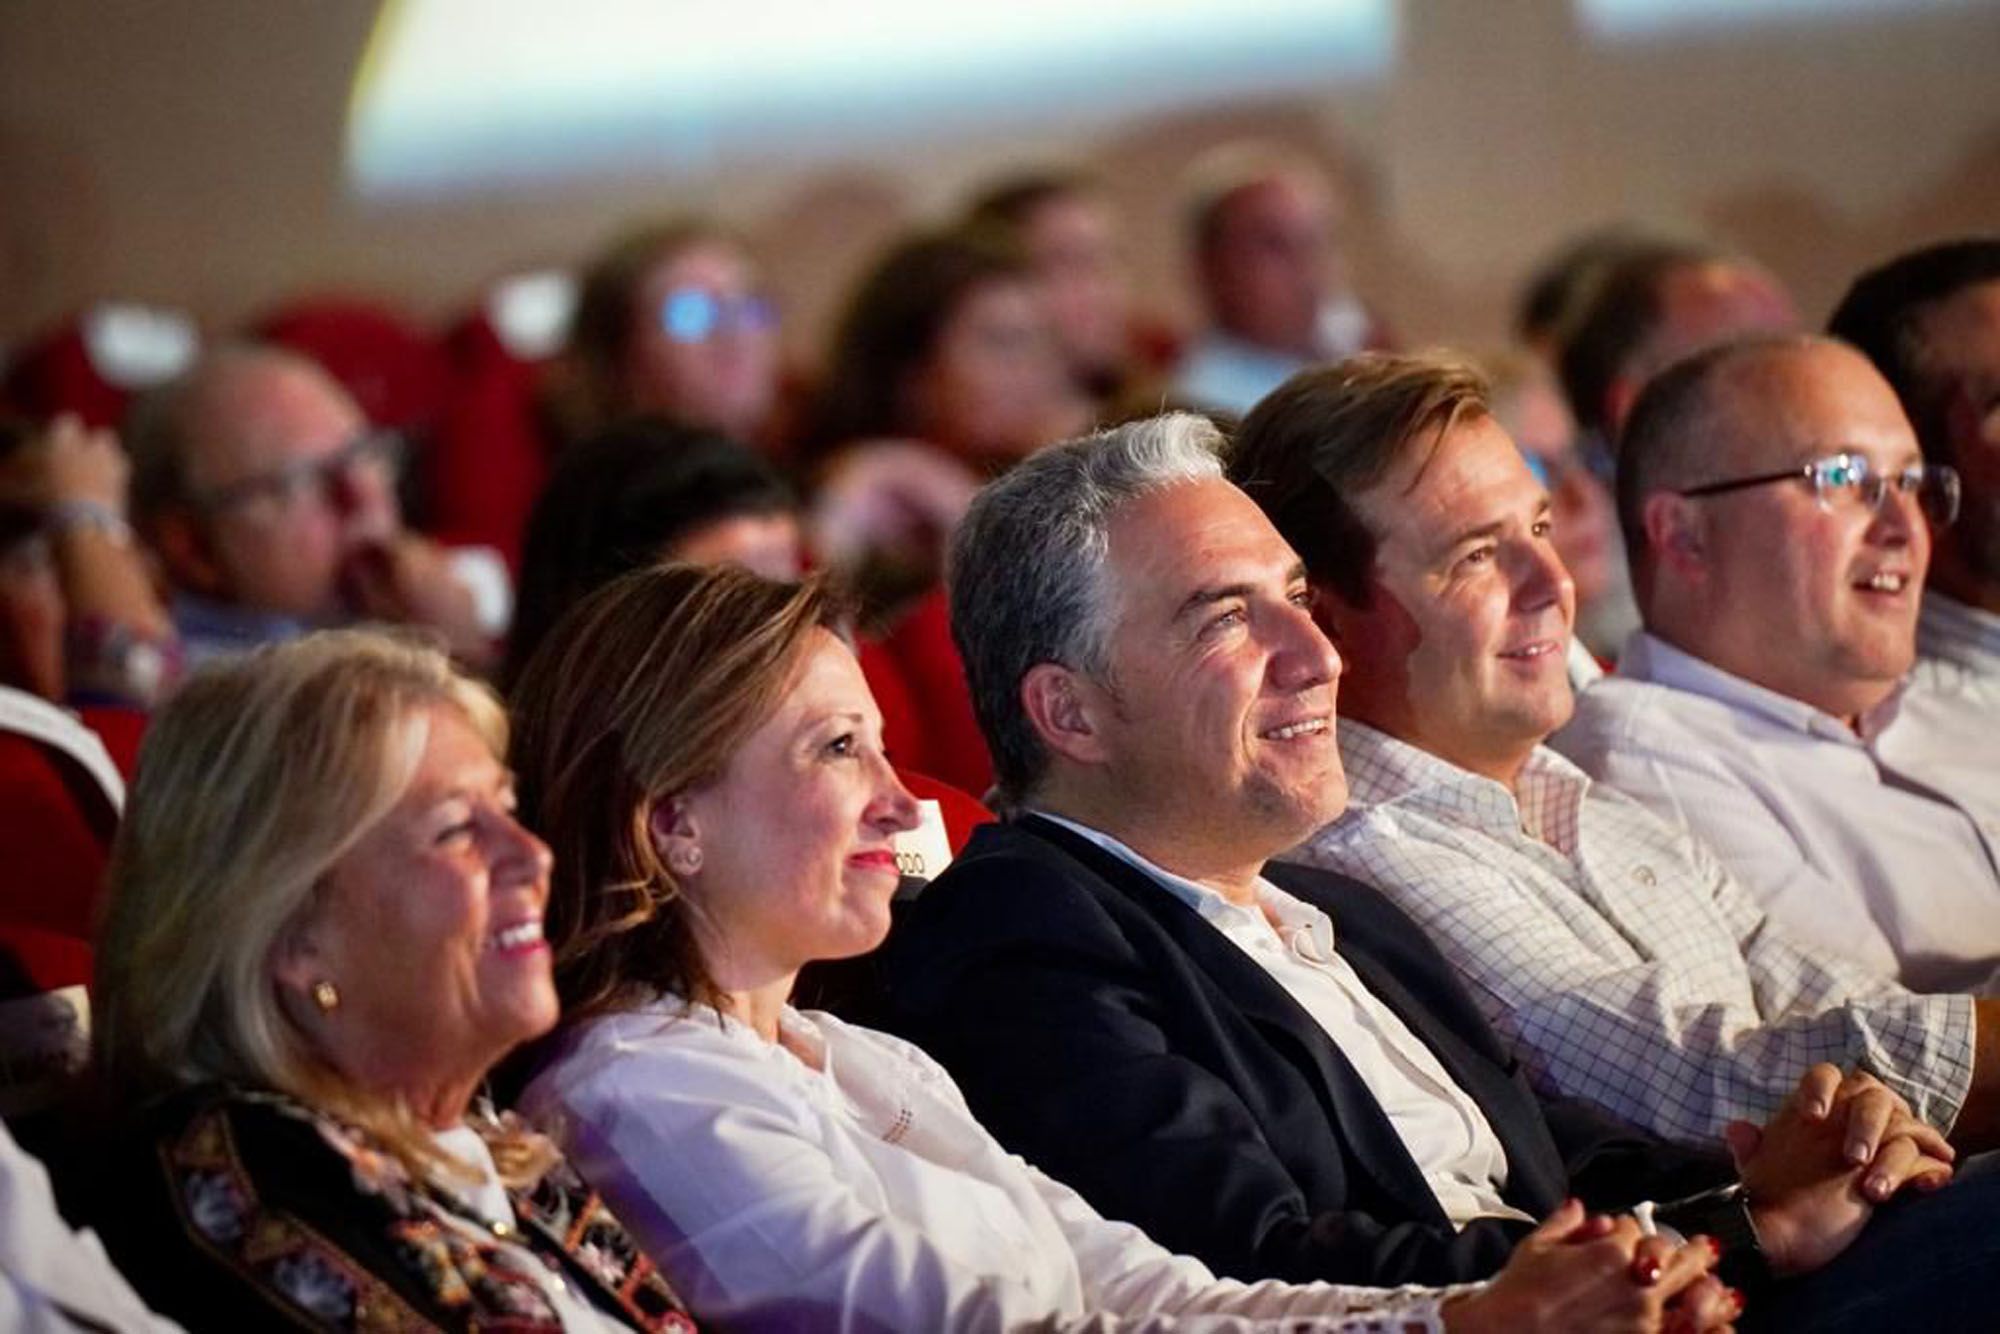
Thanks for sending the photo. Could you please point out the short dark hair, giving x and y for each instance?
(615, 502)
(1883, 316)
(1327, 434)
(1010, 202)
(1548, 300)
(1614, 320)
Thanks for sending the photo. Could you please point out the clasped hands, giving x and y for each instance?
(1837, 1147)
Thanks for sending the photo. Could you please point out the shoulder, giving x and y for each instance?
(1618, 719)
(645, 1063)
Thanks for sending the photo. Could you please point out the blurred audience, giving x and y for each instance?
(1071, 237)
(1779, 514)
(644, 491)
(272, 507)
(1650, 306)
(324, 929)
(1584, 923)
(1550, 300)
(943, 371)
(1930, 321)
(701, 749)
(672, 320)
(1264, 233)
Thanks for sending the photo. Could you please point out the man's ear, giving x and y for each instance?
(1064, 707)
(186, 553)
(1676, 533)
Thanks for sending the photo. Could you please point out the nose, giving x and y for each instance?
(892, 810)
(519, 856)
(363, 490)
(1897, 518)
(1542, 578)
(1303, 657)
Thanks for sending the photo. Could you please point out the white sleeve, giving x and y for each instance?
(726, 1185)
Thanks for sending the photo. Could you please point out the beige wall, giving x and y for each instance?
(190, 153)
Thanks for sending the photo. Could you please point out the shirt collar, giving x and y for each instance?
(1382, 770)
(1945, 622)
(1647, 658)
(1282, 913)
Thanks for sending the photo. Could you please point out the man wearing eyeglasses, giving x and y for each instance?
(272, 506)
(1779, 519)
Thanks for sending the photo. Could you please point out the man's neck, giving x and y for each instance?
(1160, 840)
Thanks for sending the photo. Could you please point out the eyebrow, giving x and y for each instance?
(1203, 598)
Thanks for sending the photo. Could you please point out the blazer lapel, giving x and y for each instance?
(1374, 1146)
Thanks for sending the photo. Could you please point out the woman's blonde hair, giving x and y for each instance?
(644, 691)
(254, 780)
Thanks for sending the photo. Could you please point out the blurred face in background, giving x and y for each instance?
(703, 346)
(1073, 246)
(994, 386)
(1271, 261)
(766, 544)
(31, 618)
(287, 483)
(1580, 508)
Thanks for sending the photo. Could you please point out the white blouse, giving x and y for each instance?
(862, 1195)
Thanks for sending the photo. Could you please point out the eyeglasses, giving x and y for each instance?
(695, 315)
(309, 479)
(1933, 484)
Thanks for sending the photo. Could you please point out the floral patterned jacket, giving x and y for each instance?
(243, 1211)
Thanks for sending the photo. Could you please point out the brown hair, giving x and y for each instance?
(1327, 434)
(644, 691)
(587, 387)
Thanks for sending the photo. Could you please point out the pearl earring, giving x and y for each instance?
(325, 995)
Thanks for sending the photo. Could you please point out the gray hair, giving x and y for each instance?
(1026, 569)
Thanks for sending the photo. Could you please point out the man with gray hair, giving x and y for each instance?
(1268, 1067)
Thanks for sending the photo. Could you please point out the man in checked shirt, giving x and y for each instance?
(1622, 962)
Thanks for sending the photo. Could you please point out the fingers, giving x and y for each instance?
(1901, 1163)
(1658, 1262)
(1743, 1138)
(1868, 1113)
(1814, 1095)
(1559, 1226)
(1705, 1306)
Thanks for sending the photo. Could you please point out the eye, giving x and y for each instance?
(844, 746)
(1301, 597)
(454, 833)
(1473, 559)
(1543, 526)
(1224, 620)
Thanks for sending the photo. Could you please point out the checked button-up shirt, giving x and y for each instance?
(1623, 963)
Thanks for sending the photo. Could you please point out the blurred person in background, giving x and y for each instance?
(671, 321)
(1650, 306)
(272, 506)
(943, 371)
(1264, 231)
(1071, 237)
(1930, 321)
(643, 492)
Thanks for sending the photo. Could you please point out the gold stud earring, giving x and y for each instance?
(326, 996)
(685, 861)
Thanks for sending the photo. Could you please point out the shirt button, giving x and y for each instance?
(1644, 875)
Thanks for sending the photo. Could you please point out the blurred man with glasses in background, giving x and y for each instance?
(1779, 519)
(271, 504)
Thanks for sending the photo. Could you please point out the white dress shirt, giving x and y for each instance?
(1966, 638)
(1617, 957)
(1439, 1123)
(836, 1181)
(1882, 845)
(54, 1279)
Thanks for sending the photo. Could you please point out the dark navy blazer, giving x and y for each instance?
(1104, 1031)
